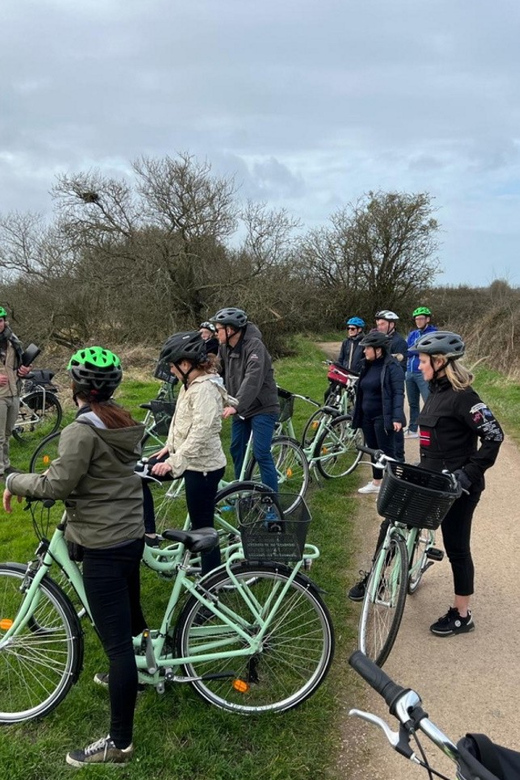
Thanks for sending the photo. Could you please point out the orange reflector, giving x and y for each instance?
(315, 424)
(46, 460)
(241, 686)
(289, 473)
(5, 624)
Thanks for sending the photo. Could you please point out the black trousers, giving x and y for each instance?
(377, 438)
(456, 535)
(201, 489)
(111, 578)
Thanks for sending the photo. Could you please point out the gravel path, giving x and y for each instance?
(468, 682)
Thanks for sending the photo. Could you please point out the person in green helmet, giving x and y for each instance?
(94, 475)
(416, 385)
(12, 372)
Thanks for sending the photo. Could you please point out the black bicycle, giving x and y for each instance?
(40, 412)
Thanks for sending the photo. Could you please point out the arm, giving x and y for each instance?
(257, 366)
(479, 418)
(397, 390)
(75, 450)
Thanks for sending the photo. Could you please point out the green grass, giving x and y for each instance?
(177, 735)
(503, 397)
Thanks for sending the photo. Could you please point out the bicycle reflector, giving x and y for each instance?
(5, 624)
(240, 685)
(46, 460)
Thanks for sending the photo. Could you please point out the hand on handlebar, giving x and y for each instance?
(7, 501)
(463, 479)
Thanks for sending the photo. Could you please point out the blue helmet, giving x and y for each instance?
(357, 321)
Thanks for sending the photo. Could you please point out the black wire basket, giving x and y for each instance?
(415, 496)
(162, 414)
(268, 531)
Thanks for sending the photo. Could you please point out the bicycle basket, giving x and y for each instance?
(40, 378)
(286, 401)
(269, 533)
(339, 374)
(415, 496)
(162, 414)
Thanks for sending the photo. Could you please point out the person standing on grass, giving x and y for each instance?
(452, 423)
(378, 410)
(248, 376)
(416, 386)
(12, 371)
(94, 475)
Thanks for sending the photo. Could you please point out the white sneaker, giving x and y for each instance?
(411, 435)
(369, 488)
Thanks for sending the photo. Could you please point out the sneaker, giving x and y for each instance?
(103, 751)
(411, 434)
(357, 591)
(452, 623)
(101, 678)
(369, 488)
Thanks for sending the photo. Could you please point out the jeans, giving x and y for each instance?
(377, 438)
(111, 578)
(416, 388)
(8, 414)
(262, 428)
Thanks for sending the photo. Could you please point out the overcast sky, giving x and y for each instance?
(309, 103)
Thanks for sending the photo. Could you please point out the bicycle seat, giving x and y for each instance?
(145, 406)
(201, 540)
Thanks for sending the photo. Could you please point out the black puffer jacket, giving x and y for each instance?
(451, 424)
(392, 391)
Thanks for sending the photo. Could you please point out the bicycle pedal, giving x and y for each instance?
(434, 554)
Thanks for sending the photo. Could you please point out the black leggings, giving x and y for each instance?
(201, 489)
(377, 438)
(111, 578)
(456, 534)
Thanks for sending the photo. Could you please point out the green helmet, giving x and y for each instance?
(3, 312)
(95, 371)
(423, 311)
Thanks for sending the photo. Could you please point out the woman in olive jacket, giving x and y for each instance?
(94, 475)
(452, 424)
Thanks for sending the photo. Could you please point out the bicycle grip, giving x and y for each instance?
(369, 450)
(375, 677)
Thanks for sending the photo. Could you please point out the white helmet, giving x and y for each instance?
(386, 314)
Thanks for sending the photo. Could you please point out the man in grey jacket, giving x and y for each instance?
(248, 375)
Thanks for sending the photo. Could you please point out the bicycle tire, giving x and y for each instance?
(232, 501)
(418, 560)
(45, 657)
(44, 453)
(292, 468)
(384, 601)
(312, 427)
(35, 420)
(336, 451)
(297, 651)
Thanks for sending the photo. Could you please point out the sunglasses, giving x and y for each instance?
(351, 327)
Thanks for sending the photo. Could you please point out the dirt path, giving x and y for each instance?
(468, 682)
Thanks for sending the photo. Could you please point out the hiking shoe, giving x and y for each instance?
(452, 623)
(411, 435)
(357, 591)
(103, 751)
(369, 488)
(101, 678)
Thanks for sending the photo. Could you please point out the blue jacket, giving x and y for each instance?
(398, 346)
(392, 386)
(413, 356)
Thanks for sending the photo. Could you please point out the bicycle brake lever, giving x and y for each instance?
(398, 739)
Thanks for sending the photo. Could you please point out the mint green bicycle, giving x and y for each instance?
(252, 636)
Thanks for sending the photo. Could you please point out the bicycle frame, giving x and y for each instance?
(153, 660)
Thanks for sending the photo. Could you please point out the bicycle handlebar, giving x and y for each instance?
(376, 677)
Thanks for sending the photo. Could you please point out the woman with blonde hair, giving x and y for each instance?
(451, 424)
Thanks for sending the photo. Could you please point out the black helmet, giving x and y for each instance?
(184, 346)
(95, 371)
(208, 326)
(236, 318)
(375, 339)
(441, 342)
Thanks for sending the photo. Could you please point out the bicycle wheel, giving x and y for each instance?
(384, 601)
(418, 560)
(40, 415)
(40, 663)
(336, 451)
(312, 427)
(297, 648)
(169, 504)
(291, 466)
(45, 453)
